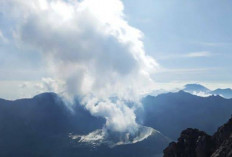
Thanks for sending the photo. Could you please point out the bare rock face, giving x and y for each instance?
(223, 133)
(192, 143)
(225, 149)
(223, 140)
(195, 143)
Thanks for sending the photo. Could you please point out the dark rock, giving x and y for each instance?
(225, 149)
(195, 143)
(223, 133)
(192, 143)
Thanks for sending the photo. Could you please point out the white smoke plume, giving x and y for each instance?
(91, 48)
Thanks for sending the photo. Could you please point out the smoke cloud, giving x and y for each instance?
(91, 49)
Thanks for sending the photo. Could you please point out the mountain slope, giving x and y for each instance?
(43, 126)
(226, 93)
(172, 112)
(34, 126)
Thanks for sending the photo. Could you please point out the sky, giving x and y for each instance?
(190, 41)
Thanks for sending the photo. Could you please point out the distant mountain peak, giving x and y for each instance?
(195, 87)
(226, 93)
(224, 89)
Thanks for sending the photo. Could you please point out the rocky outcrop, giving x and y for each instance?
(192, 143)
(223, 140)
(195, 143)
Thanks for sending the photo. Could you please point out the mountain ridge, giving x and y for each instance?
(45, 121)
(183, 110)
(41, 126)
(200, 90)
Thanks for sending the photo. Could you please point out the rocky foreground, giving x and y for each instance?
(195, 143)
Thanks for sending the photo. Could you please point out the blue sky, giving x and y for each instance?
(190, 40)
(175, 29)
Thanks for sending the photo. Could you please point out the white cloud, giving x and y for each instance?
(186, 55)
(186, 70)
(201, 94)
(49, 85)
(90, 47)
(2, 37)
(215, 44)
(199, 54)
